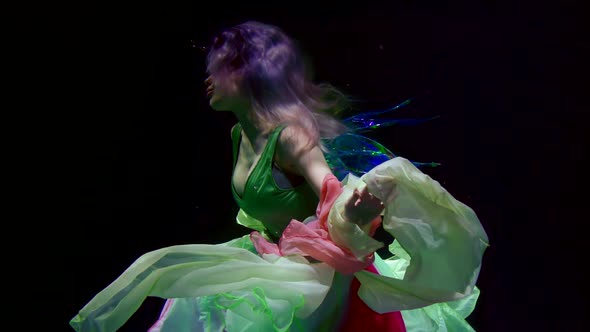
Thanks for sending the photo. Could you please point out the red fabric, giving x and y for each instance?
(359, 317)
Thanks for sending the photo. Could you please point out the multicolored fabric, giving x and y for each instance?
(229, 287)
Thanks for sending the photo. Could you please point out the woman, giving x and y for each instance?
(310, 264)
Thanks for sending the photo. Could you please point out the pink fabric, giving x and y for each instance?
(313, 239)
(163, 315)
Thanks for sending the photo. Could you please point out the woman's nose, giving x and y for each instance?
(208, 80)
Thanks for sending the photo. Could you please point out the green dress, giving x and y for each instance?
(262, 198)
(230, 287)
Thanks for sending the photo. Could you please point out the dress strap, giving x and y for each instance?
(269, 150)
(236, 135)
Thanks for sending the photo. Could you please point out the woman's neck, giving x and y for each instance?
(253, 131)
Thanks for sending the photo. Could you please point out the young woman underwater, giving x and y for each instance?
(310, 262)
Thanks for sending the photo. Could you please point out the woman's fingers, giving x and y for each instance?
(366, 196)
(362, 206)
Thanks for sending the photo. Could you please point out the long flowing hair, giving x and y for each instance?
(277, 78)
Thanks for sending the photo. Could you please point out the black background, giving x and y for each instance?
(137, 160)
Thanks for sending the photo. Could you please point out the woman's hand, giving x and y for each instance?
(362, 207)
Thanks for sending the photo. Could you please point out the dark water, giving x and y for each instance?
(142, 162)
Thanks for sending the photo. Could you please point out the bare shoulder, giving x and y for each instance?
(293, 142)
(295, 150)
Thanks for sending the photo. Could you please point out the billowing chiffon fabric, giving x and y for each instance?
(231, 287)
(441, 241)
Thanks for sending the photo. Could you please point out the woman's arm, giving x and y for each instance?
(295, 156)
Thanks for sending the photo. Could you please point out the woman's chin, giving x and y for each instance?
(217, 106)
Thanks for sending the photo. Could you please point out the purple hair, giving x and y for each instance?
(277, 79)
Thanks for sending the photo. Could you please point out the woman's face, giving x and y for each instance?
(226, 95)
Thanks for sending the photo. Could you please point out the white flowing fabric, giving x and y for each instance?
(440, 240)
(437, 258)
(201, 270)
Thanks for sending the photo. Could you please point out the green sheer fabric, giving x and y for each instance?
(228, 287)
